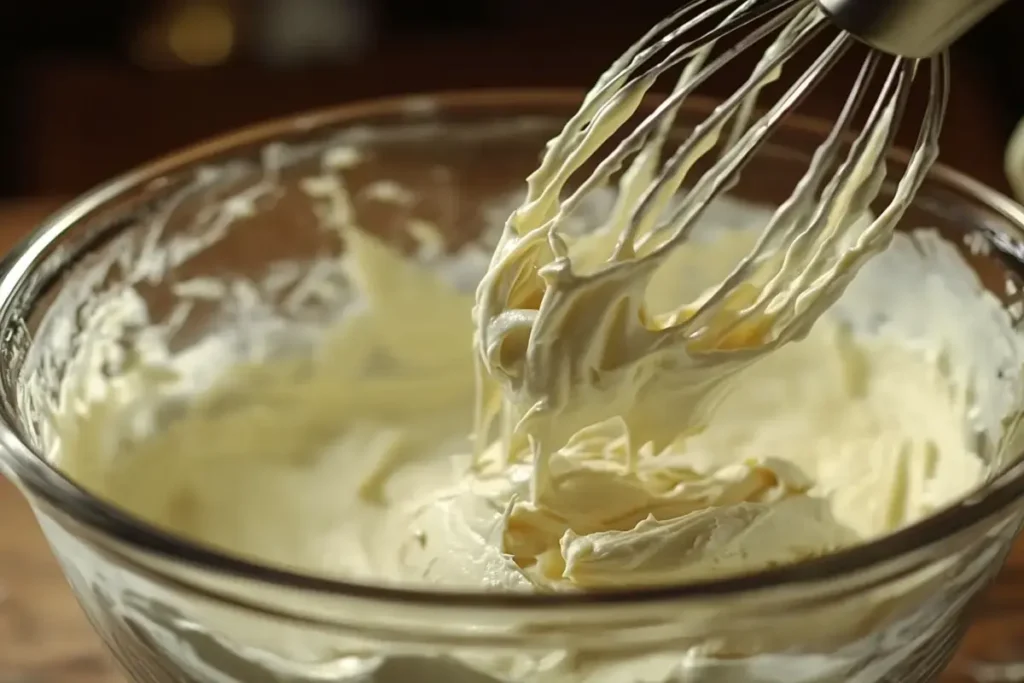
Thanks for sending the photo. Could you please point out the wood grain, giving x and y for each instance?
(45, 639)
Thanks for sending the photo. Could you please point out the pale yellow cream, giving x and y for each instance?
(355, 460)
(573, 427)
(603, 378)
(604, 413)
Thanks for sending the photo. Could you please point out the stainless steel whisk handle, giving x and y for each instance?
(908, 28)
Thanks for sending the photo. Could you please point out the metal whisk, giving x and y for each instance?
(812, 246)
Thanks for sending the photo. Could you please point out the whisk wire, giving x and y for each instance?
(840, 192)
(703, 138)
(879, 232)
(793, 214)
(612, 82)
(851, 197)
(620, 93)
(738, 155)
(842, 203)
(810, 248)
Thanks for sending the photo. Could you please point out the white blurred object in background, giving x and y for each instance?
(182, 34)
(301, 32)
(1015, 162)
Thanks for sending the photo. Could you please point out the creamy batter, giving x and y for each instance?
(354, 458)
(575, 425)
(606, 380)
(599, 415)
(350, 451)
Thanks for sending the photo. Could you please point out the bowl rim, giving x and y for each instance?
(40, 479)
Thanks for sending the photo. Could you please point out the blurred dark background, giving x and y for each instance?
(89, 88)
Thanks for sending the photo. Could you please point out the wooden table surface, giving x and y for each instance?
(45, 639)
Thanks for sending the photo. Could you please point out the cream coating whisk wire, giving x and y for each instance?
(532, 333)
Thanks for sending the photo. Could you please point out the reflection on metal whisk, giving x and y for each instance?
(538, 291)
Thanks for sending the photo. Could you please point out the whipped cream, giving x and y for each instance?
(349, 453)
(605, 378)
(622, 444)
(841, 437)
(602, 415)
(353, 457)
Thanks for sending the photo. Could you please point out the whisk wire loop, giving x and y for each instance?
(842, 210)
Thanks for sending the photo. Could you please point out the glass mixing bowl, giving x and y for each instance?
(173, 610)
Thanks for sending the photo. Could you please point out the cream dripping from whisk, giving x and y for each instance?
(562, 319)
